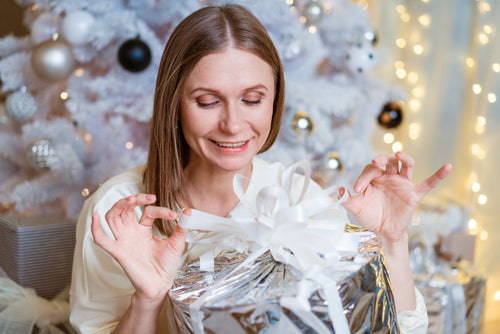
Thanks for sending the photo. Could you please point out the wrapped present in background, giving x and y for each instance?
(278, 265)
(37, 252)
(442, 255)
(455, 299)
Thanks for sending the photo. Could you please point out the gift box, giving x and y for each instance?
(455, 299)
(277, 265)
(441, 255)
(37, 252)
(250, 299)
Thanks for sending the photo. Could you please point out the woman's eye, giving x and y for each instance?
(207, 104)
(252, 101)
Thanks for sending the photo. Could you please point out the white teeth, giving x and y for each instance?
(231, 145)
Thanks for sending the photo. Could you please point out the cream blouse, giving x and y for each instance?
(100, 290)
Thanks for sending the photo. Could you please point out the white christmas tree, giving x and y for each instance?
(79, 92)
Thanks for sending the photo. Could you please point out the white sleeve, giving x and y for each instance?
(414, 322)
(100, 291)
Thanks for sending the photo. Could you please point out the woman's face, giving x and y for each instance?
(226, 109)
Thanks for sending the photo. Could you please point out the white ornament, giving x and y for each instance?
(76, 27)
(20, 106)
(360, 58)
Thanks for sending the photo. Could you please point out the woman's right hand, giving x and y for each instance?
(150, 262)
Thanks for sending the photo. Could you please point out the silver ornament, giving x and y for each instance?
(20, 106)
(39, 153)
(313, 12)
(52, 60)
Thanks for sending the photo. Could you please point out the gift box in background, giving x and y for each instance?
(37, 252)
(455, 300)
(248, 300)
(442, 255)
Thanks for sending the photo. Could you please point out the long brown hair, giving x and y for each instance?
(206, 31)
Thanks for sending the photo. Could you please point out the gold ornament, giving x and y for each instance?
(332, 162)
(302, 123)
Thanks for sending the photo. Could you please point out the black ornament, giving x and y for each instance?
(391, 115)
(134, 55)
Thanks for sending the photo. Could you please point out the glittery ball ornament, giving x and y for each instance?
(76, 27)
(391, 115)
(39, 153)
(52, 60)
(134, 55)
(20, 106)
(302, 123)
(313, 12)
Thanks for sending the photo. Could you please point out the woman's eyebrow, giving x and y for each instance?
(216, 91)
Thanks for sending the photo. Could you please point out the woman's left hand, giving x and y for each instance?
(386, 200)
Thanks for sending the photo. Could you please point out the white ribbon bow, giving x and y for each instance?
(21, 309)
(308, 235)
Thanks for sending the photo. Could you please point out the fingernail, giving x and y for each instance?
(357, 188)
(341, 192)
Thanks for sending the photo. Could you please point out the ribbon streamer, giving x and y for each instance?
(308, 235)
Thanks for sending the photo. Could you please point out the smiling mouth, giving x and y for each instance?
(231, 145)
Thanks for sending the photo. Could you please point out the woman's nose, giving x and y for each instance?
(231, 119)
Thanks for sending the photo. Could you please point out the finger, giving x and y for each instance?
(369, 173)
(124, 208)
(156, 212)
(387, 161)
(352, 204)
(100, 238)
(424, 187)
(407, 164)
(177, 241)
(392, 166)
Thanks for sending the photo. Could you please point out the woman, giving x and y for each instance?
(218, 102)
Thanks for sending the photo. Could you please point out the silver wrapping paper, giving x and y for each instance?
(455, 300)
(248, 301)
